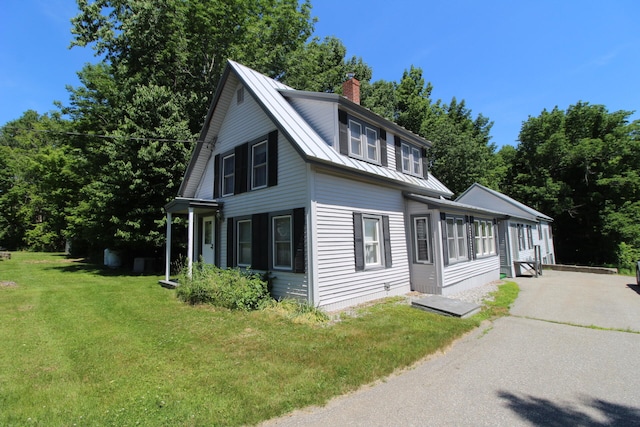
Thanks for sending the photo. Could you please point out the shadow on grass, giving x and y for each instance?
(544, 412)
(87, 266)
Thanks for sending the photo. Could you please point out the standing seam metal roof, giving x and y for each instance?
(313, 148)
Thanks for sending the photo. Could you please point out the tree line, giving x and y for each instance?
(98, 171)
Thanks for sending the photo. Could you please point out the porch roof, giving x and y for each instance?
(181, 205)
(438, 203)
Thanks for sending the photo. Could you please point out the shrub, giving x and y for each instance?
(234, 289)
(627, 256)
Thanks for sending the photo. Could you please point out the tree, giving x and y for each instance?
(37, 183)
(462, 152)
(145, 102)
(580, 166)
(322, 67)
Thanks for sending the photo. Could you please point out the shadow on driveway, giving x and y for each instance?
(545, 412)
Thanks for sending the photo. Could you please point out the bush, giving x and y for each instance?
(234, 289)
(627, 257)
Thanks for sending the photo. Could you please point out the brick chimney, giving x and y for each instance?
(351, 89)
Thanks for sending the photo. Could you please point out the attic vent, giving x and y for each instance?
(240, 95)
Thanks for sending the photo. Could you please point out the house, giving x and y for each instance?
(524, 234)
(336, 202)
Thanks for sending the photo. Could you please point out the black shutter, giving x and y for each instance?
(343, 132)
(425, 164)
(445, 246)
(473, 238)
(383, 148)
(299, 261)
(358, 241)
(386, 236)
(469, 244)
(241, 168)
(231, 252)
(496, 237)
(260, 241)
(397, 142)
(272, 162)
(217, 176)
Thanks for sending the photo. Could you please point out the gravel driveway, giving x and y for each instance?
(535, 367)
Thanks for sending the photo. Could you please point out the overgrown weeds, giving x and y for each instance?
(235, 289)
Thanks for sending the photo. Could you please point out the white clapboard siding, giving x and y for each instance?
(245, 122)
(339, 285)
(205, 187)
(467, 275)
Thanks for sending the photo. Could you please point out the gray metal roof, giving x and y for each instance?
(455, 205)
(270, 95)
(525, 210)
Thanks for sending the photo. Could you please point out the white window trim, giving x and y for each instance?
(415, 158)
(359, 155)
(376, 159)
(455, 240)
(265, 165)
(484, 238)
(427, 239)
(226, 176)
(364, 142)
(238, 246)
(274, 241)
(380, 242)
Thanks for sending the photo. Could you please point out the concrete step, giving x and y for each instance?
(446, 306)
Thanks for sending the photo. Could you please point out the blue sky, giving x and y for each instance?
(507, 59)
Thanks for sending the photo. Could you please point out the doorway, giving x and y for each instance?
(208, 240)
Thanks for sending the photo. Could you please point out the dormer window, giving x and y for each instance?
(411, 159)
(363, 141)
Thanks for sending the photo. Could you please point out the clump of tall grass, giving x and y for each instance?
(297, 311)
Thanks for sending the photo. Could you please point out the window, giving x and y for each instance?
(421, 239)
(456, 239)
(228, 175)
(484, 241)
(259, 165)
(355, 139)
(282, 242)
(372, 145)
(529, 237)
(371, 232)
(363, 145)
(411, 160)
(240, 95)
(244, 243)
(521, 241)
(372, 241)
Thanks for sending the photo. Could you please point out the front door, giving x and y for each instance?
(208, 240)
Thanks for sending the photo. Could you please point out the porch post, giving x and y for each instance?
(190, 243)
(167, 264)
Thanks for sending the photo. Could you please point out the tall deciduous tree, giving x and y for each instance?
(146, 101)
(581, 167)
(38, 184)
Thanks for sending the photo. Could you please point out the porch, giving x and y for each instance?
(203, 219)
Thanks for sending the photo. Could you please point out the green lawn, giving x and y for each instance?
(87, 346)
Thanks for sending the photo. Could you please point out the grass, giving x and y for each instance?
(87, 346)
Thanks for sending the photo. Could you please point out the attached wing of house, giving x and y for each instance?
(336, 202)
(525, 233)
